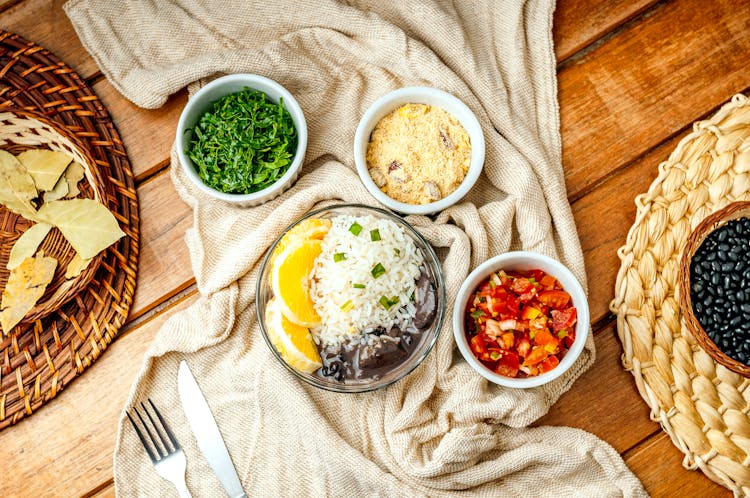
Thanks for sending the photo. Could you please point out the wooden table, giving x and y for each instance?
(633, 76)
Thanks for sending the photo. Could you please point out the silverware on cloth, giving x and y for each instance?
(169, 462)
(206, 432)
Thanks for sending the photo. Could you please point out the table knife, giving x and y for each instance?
(206, 432)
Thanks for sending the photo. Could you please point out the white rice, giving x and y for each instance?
(345, 310)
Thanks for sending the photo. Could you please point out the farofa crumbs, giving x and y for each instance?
(418, 154)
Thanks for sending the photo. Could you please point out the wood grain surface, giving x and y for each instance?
(633, 76)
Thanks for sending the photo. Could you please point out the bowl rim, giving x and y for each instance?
(252, 81)
(708, 225)
(417, 360)
(457, 109)
(505, 260)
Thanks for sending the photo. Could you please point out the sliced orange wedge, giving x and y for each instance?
(290, 281)
(294, 343)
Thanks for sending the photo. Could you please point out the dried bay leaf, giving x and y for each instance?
(26, 284)
(45, 166)
(27, 244)
(86, 224)
(17, 188)
(59, 191)
(76, 266)
(73, 175)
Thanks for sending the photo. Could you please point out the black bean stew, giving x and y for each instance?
(720, 288)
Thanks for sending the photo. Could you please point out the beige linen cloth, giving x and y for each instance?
(442, 429)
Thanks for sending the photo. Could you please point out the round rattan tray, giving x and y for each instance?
(701, 404)
(40, 358)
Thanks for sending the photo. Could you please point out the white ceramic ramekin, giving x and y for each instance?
(419, 95)
(522, 260)
(201, 102)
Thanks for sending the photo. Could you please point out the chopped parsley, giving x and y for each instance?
(243, 143)
(477, 313)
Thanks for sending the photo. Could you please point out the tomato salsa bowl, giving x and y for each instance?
(521, 319)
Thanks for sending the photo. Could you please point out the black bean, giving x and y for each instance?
(715, 266)
(733, 256)
(715, 279)
(723, 247)
(697, 287)
(716, 318)
(708, 301)
(745, 307)
(738, 266)
(727, 280)
(734, 322)
(722, 236)
(720, 291)
(710, 256)
(722, 255)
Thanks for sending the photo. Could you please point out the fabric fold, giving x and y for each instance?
(443, 428)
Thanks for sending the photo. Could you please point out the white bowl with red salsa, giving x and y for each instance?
(521, 319)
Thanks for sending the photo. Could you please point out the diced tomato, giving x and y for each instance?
(554, 298)
(520, 323)
(548, 364)
(506, 340)
(564, 319)
(508, 364)
(521, 285)
(478, 346)
(537, 355)
(548, 282)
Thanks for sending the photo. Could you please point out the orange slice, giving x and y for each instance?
(311, 228)
(294, 343)
(290, 276)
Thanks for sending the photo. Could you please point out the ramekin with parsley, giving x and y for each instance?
(244, 143)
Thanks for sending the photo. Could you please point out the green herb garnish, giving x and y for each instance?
(339, 256)
(358, 286)
(388, 303)
(377, 270)
(347, 306)
(562, 334)
(494, 356)
(396, 252)
(477, 313)
(243, 143)
(375, 235)
(355, 228)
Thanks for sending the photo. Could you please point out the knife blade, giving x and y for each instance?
(206, 432)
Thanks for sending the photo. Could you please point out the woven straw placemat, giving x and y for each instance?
(39, 360)
(701, 405)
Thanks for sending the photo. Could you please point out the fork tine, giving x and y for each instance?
(175, 444)
(143, 440)
(156, 428)
(150, 435)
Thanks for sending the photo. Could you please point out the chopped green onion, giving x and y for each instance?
(477, 313)
(347, 305)
(387, 303)
(532, 334)
(375, 235)
(358, 286)
(492, 284)
(562, 334)
(411, 298)
(339, 256)
(355, 228)
(377, 270)
(532, 280)
(494, 355)
(396, 251)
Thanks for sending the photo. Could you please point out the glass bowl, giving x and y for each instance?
(427, 337)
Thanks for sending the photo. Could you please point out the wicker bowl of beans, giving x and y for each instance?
(714, 286)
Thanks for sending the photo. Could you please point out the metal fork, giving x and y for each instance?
(168, 462)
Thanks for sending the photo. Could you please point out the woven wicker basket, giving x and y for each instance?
(709, 224)
(21, 130)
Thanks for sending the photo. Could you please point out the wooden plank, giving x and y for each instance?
(107, 491)
(147, 134)
(647, 82)
(580, 23)
(658, 463)
(604, 400)
(80, 427)
(601, 236)
(164, 268)
(45, 23)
